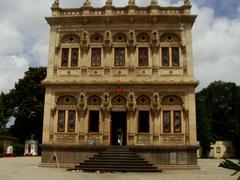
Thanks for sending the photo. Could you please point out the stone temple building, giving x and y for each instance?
(121, 76)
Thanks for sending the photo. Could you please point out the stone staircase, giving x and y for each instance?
(116, 159)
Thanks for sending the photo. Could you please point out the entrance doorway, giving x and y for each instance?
(118, 128)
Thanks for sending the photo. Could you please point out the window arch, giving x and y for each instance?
(96, 38)
(170, 50)
(119, 100)
(172, 114)
(66, 113)
(94, 100)
(67, 100)
(171, 100)
(143, 38)
(143, 100)
(119, 38)
(70, 38)
(70, 55)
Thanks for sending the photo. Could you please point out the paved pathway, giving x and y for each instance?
(26, 168)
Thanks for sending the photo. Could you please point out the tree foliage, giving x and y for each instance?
(228, 164)
(218, 114)
(3, 119)
(25, 102)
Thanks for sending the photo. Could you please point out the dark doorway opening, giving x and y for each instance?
(119, 128)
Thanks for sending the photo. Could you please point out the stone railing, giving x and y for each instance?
(90, 11)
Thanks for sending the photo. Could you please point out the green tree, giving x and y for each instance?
(25, 103)
(228, 164)
(218, 113)
(204, 121)
(2, 115)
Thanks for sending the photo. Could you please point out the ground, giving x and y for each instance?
(27, 168)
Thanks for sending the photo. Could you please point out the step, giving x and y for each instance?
(117, 161)
(110, 152)
(117, 155)
(115, 166)
(117, 170)
(115, 158)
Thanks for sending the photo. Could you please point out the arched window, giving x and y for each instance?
(170, 51)
(66, 112)
(172, 114)
(70, 56)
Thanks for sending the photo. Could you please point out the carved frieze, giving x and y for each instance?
(66, 138)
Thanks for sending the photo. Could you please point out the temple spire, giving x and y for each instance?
(154, 2)
(55, 3)
(187, 2)
(87, 3)
(109, 3)
(131, 2)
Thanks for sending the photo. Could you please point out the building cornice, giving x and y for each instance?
(48, 83)
(131, 14)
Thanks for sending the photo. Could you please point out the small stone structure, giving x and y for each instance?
(9, 150)
(222, 149)
(31, 147)
(7, 141)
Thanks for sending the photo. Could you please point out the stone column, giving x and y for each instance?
(192, 118)
(49, 104)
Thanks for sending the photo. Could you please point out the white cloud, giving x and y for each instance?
(12, 68)
(11, 39)
(216, 42)
(40, 52)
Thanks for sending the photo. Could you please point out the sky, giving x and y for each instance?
(24, 37)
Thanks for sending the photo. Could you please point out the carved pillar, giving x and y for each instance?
(106, 109)
(154, 43)
(81, 110)
(107, 45)
(131, 43)
(131, 106)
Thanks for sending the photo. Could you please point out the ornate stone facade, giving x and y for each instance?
(125, 69)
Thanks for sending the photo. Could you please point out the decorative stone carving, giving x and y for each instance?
(154, 39)
(81, 106)
(55, 4)
(155, 104)
(106, 104)
(131, 2)
(85, 40)
(109, 3)
(58, 45)
(154, 2)
(131, 42)
(87, 3)
(107, 42)
(187, 2)
(131, 103)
